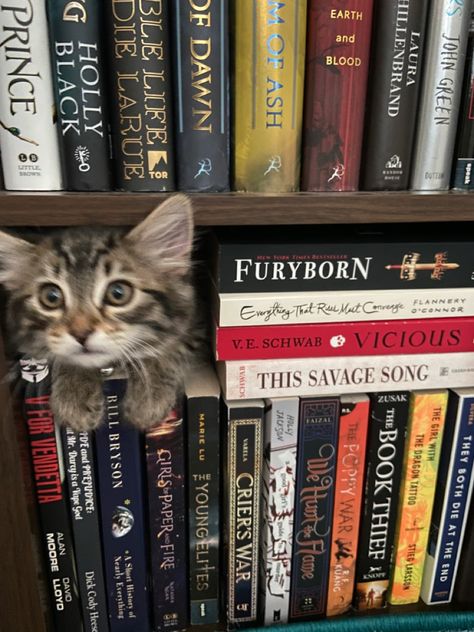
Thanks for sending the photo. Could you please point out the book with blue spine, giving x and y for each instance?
(452, 500)
(119, 453)
(315, 481)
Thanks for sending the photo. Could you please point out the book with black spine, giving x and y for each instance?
(388, 418)
(140, 95)
(201, 89)
(120, 457)
(463, 593)
(51, 496)
(393, 93)
(203, 486)
(84, 511)
(80, 86)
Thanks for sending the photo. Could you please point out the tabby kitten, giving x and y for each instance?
(93, 298)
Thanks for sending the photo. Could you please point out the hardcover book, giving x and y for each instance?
(420, 470)
(141, 114)
(385, 447)
(393, 93)
(433, 335)
(268, 72)
(443, 66)
(337, 63)
(51, 496)
(119, 457)
(306, 377)
(84, 511)
(315, 479)
(242, 434)
(292, 308)
(203, 486)
(306, 263)
(80, 87)
(463, 163)
(28, 132)
(167, 517)
(452, 500)
(351, 447)
(201, 61)
(279, 482)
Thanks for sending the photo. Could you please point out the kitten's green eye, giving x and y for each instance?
(51, 296)
(118, 293)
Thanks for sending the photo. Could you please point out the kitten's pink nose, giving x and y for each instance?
(81, 336)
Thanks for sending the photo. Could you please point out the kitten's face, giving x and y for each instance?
(93, 297)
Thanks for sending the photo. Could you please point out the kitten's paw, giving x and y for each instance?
(147, 413)
(84, 415)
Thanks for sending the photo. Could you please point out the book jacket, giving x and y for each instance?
(337, 63)
(51, 495)
(80, 86)
(463, 593)
(385, 448)
(393, 93)
(201, 60)
(166, 510)
(268, 72)
(417, 490)
(119, 457)
(443, 335)
(352, 440)
(443, 67)
(242, 432)
(28, 131)
(463, 163)
(140, 94)
(279, 482)
(203, 487)
(452, 500)
(315, 480)
(84, 511)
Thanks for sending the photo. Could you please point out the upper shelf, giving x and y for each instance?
(213, 209)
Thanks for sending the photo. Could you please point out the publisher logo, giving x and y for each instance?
(157, 164)
(83, 156)
(394, 162)
(411, 266)
(337, 341)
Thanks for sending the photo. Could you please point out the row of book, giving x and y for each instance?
(135, 97)
(256, 513)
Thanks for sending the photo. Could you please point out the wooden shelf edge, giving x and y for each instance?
(219, 209)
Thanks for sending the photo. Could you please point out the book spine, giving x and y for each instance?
(417, 490)
(279, 482)
(202, 95)
(84, 512)
(298, 308)
(28, 133)
(51, 496)
(166, 503)
(443, 335)
(141, 114)
(76, 30)
(385, 446)
(337, 64)
(122, 503)
(465, 576)
(375, 265)
(463, 178)
(315, 477)
(305, 377)
(268, 94)
(353, 427)
(453, 496)
(443, 66)
(203, 448)
(244, 465)
(393, 93)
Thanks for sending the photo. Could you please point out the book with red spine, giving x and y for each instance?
(352, 442)
(426, 335)
(337, 61)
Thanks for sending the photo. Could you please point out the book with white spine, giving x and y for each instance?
(28, 132)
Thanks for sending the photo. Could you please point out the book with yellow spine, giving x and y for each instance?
(269, 48)
(420, 469)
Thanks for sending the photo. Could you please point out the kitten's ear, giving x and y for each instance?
(14, 254)
(165, 237)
